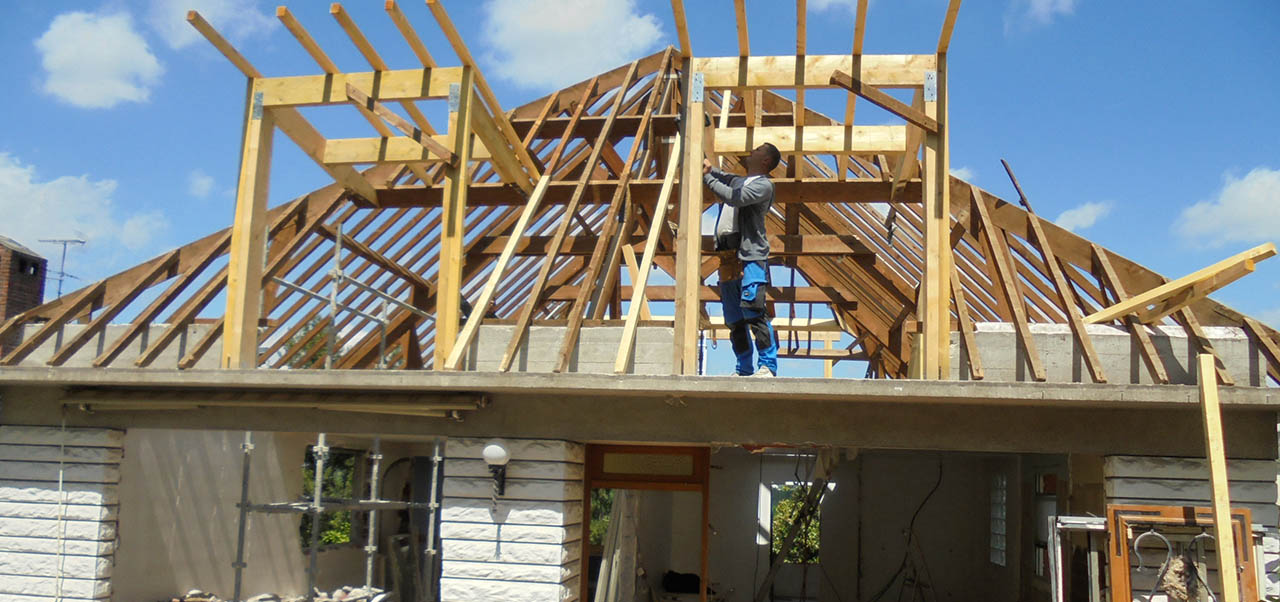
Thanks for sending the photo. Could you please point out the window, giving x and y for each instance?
(339, 484)
(787, 499)
(999, 526)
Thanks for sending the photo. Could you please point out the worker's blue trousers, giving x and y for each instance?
(744, 311)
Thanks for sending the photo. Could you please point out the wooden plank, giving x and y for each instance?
(394, 149)
(312, 143)
(689, 236)
(504, 161)
(1189, 321)
(483, 303)
(830, 139)
(744, 40)
(1265, 342)
(449, 272)
(1216, 452)
(626, 344)
(821, 191)
(1148, 349)
(966, 327)
(328, 89)
(682, 28)
(358, 97)
(935, 284)
(1067, 300)
(492, 107)
(1203, 281)
(82, 299)
(768, 72)
(599, 253)
(562, 230)
(409, 33)
(222, 45)
(1013, 298)
(162, 268)
(948, 24)
(386, 263)
(248, 242)
(884, 101)
(307, 42)
(633, 271)
(855, 64)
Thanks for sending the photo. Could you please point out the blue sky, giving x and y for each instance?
(1149, 125)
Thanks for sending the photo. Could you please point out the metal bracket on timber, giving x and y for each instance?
(1154, 305)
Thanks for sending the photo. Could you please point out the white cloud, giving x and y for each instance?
(73, 207)
(1084, 216)
(236, 19)
(1245, 210)
(820, 5)
(554, 43)
(1034, 13)
(97, 61)
(964, 173)
(199, 184)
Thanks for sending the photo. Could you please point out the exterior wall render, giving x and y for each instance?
(59, 503)
(527, 546)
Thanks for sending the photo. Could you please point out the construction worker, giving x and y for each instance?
(744, 266)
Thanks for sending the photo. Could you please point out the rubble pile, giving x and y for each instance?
(345, 593)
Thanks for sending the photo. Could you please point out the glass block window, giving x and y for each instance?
(999, 525)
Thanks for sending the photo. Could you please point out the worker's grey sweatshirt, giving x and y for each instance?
(752, 197)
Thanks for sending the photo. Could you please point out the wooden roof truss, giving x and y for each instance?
(540, 214)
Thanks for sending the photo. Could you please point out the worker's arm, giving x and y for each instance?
(736, 191)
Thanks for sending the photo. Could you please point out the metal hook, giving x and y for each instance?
(1168, 547)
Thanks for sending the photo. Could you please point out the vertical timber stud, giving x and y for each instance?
(248, 238)
(1215, 453)
(689, 237)
(936, 335)
(449, 293)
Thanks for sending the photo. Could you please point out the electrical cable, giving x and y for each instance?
(911, 531)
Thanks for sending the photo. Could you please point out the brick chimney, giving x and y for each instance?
(22, 274)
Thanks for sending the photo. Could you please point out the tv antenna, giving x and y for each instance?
(62, 267)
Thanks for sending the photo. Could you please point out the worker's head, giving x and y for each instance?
(763, 159)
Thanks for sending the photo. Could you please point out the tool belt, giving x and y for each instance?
(730, 266)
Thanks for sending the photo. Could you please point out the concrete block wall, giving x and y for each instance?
(1004, 359)
(530, 549)
(597, 349)
(84, 356)
(58, 543)
(1185, 482)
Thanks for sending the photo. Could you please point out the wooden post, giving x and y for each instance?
(449, 291)
(248, 238)
(1216, 453)
(936, 333)
(689, 238)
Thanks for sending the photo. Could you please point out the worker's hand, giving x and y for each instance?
(706, 166)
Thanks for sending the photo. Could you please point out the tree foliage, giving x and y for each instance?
(338, 481)
(787, 502)
(601, 510)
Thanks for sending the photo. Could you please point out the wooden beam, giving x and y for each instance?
(688, 234)
(1013, 297)
(223, 46)
(1215, 451)
(744, 40)
(1148, 349)
(814, 139)
(83, 299)
(884, 101)
(374, 257)
(393, 149)
(682, 28)
(492, 107)
(298, 129)
(771, 72)
(967, 335)
(1201, 283)
(162, 268)
(641, 277)
(935, 284)
(358, 97)
(409, 33)
(449, 273)
(1205, 345)
(329, 89)
(483, 303)
(948, 24)
(645, 192)
(248, 241)
(1265, 342)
